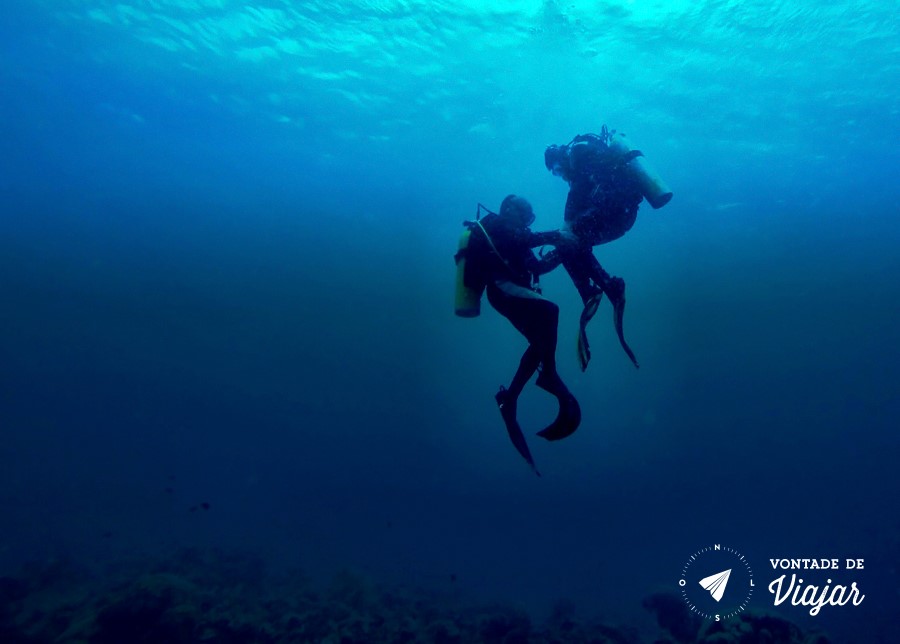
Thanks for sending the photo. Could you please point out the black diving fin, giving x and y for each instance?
(569, 416)
(584, 348)
(508, 412)
(590, 309)
(618, 314)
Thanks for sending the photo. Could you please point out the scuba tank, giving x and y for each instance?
(470, 270)
(654, 189)
(468, 299)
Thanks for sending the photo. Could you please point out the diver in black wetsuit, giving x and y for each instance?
(601, 206)
(500, 256)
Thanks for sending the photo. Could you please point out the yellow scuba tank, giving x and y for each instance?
(654, 189)
(468, 300)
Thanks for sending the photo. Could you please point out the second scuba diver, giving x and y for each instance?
(607, 182)
(497, 256)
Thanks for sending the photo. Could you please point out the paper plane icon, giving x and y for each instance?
(716, 583)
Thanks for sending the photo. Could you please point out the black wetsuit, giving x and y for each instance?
(602, 206)
(508, 269)
(603, 198)
(509, 274)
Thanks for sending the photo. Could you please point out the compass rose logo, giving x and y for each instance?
(716, 582)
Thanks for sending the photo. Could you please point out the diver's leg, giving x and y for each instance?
(527, 366)
(576, 259)
(592, 282)
(534, 317)
(544, 340)
(538, 320)
(588, 276)
(614, 287)
(515, 304)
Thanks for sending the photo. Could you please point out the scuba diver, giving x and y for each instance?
(496, 255)
(607, 181)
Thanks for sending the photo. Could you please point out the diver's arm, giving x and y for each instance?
(549, 238)
(549, 261)
(546, 263)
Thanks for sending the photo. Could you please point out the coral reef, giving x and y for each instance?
(684, 627)
(753, 628)
(202, 596)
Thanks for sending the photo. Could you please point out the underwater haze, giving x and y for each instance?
(226, 246)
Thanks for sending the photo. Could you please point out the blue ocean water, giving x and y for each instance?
(226, 240)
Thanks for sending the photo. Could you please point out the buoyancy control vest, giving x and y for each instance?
(477, 259)
(615, 154)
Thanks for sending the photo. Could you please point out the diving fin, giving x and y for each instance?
(618, 303)
(569, 416)
(615, 290)
(584, 348)
(507, 407)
